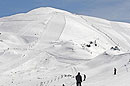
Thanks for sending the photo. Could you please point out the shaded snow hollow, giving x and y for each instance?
(48, 46)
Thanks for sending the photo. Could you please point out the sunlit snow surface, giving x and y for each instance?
(47, 47)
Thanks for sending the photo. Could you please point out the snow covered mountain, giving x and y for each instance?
(48, 46)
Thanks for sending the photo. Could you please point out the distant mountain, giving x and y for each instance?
(48, 39)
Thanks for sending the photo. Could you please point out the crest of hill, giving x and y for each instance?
(47, 10)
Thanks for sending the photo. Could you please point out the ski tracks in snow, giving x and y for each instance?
(97, 29)
(54, 28)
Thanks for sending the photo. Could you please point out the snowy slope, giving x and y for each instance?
(48, 46)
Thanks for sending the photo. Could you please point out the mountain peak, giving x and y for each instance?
(46, 10)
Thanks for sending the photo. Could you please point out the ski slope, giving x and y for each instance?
(48, 47)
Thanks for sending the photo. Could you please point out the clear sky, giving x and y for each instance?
(118, 10)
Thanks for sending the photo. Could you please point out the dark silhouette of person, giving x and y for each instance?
(78, 79)
(115, 71)
(63, 85)
(84, 77)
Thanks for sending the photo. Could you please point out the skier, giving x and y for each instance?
(115, 71)
(63, 85)
(84, 77)
(78, 79)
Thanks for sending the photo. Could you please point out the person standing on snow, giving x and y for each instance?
(78, 79)
(115, 71)
(84, 77)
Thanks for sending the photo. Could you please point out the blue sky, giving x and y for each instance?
(118, 10)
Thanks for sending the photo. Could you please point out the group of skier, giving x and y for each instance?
(79, 77)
